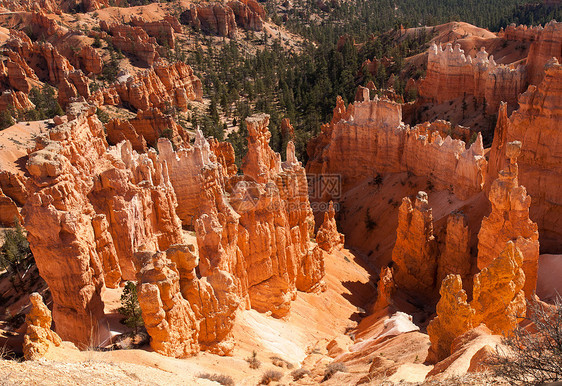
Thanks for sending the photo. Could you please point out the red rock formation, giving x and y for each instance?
(225, 156)
(9, 212)
(185, 167)
(133, 40)
(262, 163)
(521, 33)
(498, 297)
(13, 186)
(451, 75)
(415, 251)
(106, 249)
(168, 317)
(74, 180)
(368, 138)
(17, 74)
(213, 299)
(32, 61)
(464, 349)
(546, 45)
(49, 6)
(162, 30)
(509, 220)
(385, 289)
(362, 94)
(455, 258)
(145, 129)
(498, 300)
(39, 336)
(249, 14)
(536, 125)
(15, 99)
(255, 227)
(93, 5)
(328, 237)
(454, 317)
(215, 18)
(287, 130)
(90, 60)
(161, 87)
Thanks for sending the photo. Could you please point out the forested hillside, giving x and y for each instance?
(303, 85)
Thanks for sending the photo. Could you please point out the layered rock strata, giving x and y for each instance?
(456, 257)
(216, 18)
(133, 40)
(255, 227)
(368, 138)
(160, 87)
(145, 129)
(451, 74)
(89, 211)
(454, 317)
(30, 62)
(9, 212)
(249, 14)
(546, 45)
(224, 19)
(167, 316)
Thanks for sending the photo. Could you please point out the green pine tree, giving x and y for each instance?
(15, 253)
(130, 308)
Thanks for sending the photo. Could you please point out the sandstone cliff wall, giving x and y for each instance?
(547, 45)
(368, 138)
(536, 125)
(223, 19)
(88, 212)
(159, 87)
(451, 74)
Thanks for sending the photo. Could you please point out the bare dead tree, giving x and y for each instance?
(533, 355)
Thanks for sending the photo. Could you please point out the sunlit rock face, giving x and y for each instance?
(368, 138)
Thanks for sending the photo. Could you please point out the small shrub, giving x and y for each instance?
(429, 186)
(533, 357)
(253, 361)
(97, 42)
(299, 373)
(370, 223)
(333, 368)
(280, 362)
(103, 116)
(224, 380)
(270, 376)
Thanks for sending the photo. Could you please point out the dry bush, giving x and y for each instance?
(224, 380)
(299, 373)
(533, 357)
(280, 362)
(333, 368)
(253, 361)
(270, 376)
